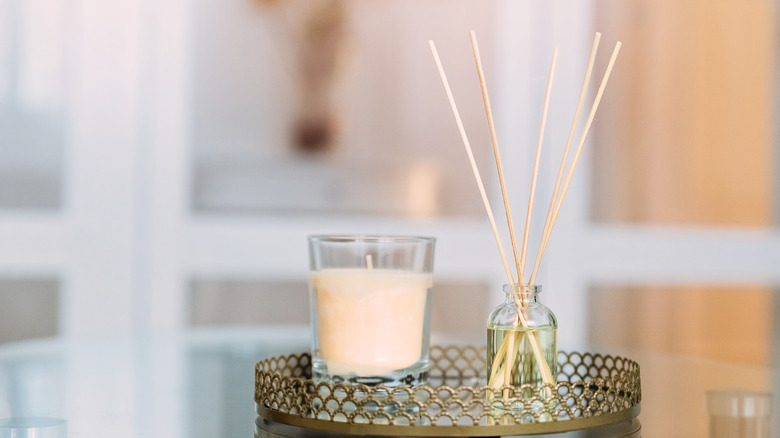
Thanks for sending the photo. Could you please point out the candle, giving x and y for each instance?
(370, 321)
(369, 308)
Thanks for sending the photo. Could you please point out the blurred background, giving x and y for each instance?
(162, 162)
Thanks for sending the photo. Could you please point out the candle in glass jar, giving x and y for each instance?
(370, 321)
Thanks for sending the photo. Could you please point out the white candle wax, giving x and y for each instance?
(370, 321)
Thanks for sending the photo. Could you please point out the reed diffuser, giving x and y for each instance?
(522, 333)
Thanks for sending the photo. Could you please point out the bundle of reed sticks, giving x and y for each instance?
(501, 376)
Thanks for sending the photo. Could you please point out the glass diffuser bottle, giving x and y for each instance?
(522, 339)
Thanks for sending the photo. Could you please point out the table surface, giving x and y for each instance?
(201, 383)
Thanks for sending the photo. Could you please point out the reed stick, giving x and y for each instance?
(496, 153)
(577, 154)
(473, 163)
(566, 151)
(537, 159)
(535, 344)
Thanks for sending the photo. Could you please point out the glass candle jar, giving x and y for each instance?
(522, 339)
(370, 306)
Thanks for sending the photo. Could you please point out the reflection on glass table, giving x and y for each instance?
(198, 384)
(201, 383)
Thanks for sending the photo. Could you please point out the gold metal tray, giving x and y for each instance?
(593, 390)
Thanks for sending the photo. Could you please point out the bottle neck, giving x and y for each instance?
(522, 293)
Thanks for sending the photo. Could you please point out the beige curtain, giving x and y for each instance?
(687, 134)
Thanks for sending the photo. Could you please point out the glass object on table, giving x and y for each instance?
(522, 339)
(370, 308)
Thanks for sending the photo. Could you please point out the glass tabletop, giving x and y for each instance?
(201, 383)
(193, 384)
